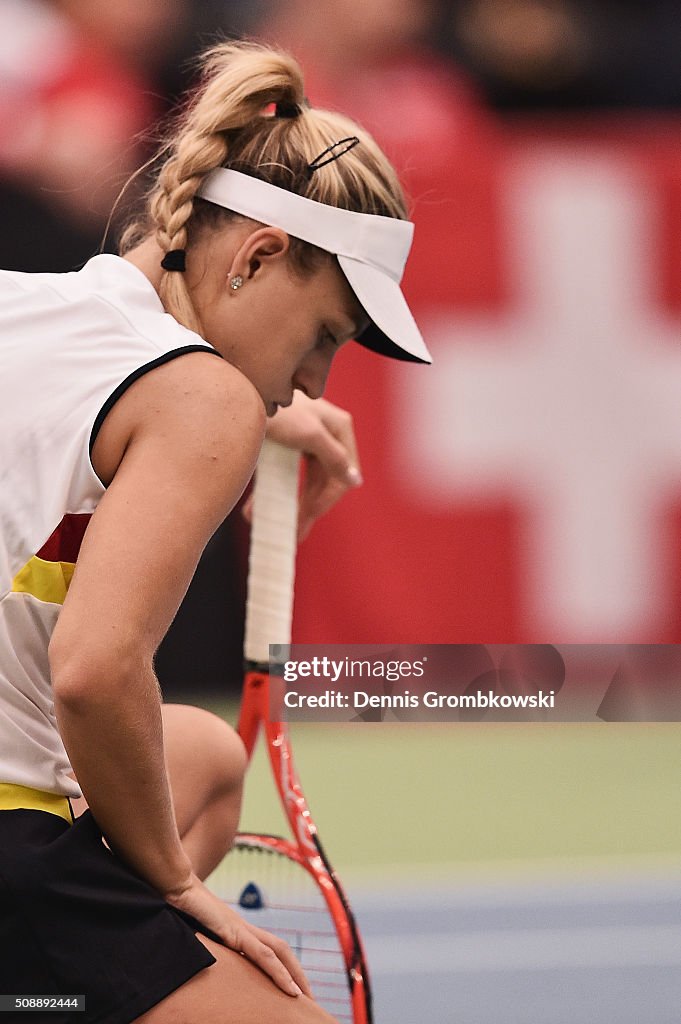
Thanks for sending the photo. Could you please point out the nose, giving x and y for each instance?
(311, 376)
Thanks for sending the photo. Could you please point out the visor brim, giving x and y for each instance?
(393, 331)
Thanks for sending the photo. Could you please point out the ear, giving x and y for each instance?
(260, 249)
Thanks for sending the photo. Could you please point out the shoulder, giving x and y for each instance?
(196, 403)
(185, 438)
(201, 377)
(200, 391)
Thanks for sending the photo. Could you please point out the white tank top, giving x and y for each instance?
(70, 344)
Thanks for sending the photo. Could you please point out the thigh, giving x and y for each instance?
(232, 991)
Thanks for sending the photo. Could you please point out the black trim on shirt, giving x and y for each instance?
(135, 375)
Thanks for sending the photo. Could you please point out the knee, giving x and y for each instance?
(214, 744)
(223, 751)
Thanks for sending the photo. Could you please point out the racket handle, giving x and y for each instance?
(272, 557)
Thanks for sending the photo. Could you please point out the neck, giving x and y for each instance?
(147, 257)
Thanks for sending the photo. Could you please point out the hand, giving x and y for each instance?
(270, 954)
(325, 435)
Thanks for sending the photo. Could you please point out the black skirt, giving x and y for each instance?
(76, 920)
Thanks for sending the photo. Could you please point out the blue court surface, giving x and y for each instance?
(590, 951)
(510, 875)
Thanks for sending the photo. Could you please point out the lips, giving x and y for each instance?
(272, 407)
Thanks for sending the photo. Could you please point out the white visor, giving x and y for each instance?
(372, 252)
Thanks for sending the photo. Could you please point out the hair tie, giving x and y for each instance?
(175, 259)
(335, 150)
(283, 108)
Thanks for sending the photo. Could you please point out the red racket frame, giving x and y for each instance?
(262, 693)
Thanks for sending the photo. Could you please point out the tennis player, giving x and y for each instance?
(134, 396)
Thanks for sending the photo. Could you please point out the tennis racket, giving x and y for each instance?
(287, 886)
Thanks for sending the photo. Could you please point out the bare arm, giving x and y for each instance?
(180, 446)
(195, 433)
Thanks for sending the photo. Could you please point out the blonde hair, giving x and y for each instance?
(226, 124)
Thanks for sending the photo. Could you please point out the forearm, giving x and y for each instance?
(114, 738)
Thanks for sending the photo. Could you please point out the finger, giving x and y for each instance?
(266, 959)
(317, 427)
(286, 955)
(316, 504)
(319, 493)
(338, 461)
(341, 425)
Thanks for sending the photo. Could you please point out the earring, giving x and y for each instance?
(236, 282)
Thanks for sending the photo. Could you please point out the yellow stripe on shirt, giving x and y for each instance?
(14, 797)
(48, 581)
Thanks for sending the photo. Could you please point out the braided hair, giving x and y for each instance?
(249, 113)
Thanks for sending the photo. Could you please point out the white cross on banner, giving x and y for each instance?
(569, 401)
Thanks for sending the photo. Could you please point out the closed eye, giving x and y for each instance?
(327, 337)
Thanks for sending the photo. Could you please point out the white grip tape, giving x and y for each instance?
(272, 557)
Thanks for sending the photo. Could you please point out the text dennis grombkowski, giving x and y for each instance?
(345, 671)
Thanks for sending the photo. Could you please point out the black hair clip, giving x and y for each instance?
(335, 151)
(175, 259)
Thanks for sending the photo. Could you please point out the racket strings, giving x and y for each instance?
(302, 909)
(271, 890)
